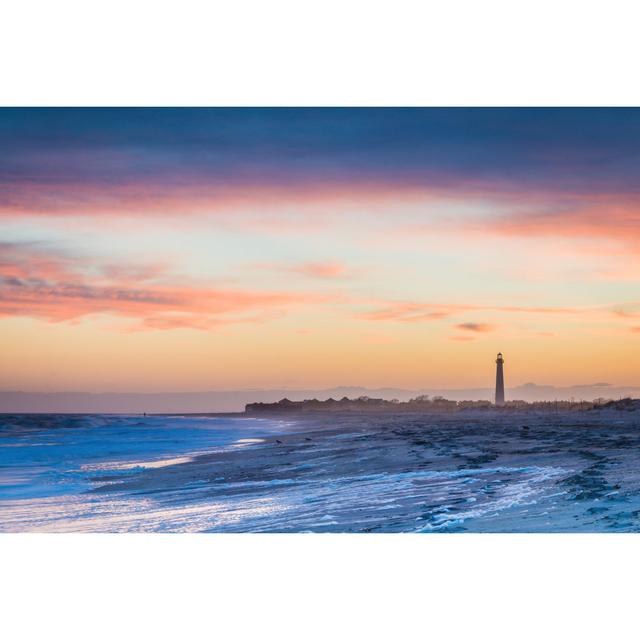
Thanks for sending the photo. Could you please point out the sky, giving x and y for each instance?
(196, 249)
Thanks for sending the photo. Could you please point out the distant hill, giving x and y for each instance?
(223, 401)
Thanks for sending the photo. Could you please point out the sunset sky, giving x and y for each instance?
(195, 249)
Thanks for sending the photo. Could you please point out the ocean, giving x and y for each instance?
(475, 472)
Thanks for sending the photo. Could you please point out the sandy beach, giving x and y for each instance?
(473, 471)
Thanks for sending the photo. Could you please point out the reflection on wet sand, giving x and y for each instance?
(483, 472)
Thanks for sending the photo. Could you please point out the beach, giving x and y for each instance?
(475, 472)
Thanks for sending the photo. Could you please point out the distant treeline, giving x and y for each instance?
(436, 404)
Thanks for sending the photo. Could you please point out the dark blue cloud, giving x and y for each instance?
(557, 148)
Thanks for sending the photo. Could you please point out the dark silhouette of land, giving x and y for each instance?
(235, 400)
(437, 404)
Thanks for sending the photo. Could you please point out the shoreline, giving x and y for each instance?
(396, 457)
(471, 471)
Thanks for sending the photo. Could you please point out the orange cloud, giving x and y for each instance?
(406, 312)
(421, 312)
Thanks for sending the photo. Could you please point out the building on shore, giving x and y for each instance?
(499, 380)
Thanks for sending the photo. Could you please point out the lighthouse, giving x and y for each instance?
(499, 380)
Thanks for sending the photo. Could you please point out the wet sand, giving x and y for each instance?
(460, 472)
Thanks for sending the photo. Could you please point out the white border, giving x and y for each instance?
(323, 586)
(334, 52)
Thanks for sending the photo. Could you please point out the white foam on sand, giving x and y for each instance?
(122, 514)
(167, 462)
(287, 505)
(136, 464)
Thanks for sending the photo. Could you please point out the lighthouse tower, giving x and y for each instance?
(499, 380)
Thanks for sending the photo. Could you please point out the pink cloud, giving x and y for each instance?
(198, 198)
(561, 214)
(325, 270)
(36, 284)
(306, 201)
(318, 270)
(594, 219)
